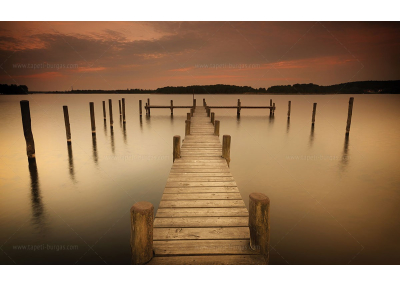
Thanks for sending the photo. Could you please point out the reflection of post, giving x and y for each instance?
(123, 110)
(71, 163)
(105, 127)
(91, 104)
(111, 115)
(26, 124)
(345, 155)
(36, 200)
(350, 112)
(311, 135)
(94, 145)
(124, 131)
(104, 110)
(140, 107)
(112, 140)
(288, 125)
(67, 126)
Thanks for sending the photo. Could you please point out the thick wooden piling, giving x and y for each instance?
(216, 127)
(212, 117)
(208, 111)
(191, 112)
(123, 110)
(104, 110)
(172, 107)
(270, 104)
(111, 114)
(238, 107)
(176, 147)
(273, 108)
(26, 125)
(313, 113)
(142, 214)
(187, 127)
(204, 102)
(349, 114)
(188, 116)
(289, 106)
(148, 106)
(120, 109)
(67, 125)
(92, 118)
(194, 103)
(259, 223)
(140, 108)
(226, 148)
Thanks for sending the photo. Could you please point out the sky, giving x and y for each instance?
(48, 56)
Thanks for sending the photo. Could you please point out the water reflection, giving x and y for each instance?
(311, 136)
(112, 140)
(345, 155)
(141, 123)
(36, 199)
(288, 125)
(124, 131)
(71, 163)
(105, 127)
(271, 118)
(94, 144)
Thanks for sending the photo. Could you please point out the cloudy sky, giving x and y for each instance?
(121, 55)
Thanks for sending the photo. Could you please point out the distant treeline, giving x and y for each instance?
(121, 91)
(212, 89)
(13, 89)
(357, 87)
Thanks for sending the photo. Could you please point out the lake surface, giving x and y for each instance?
(333, 201)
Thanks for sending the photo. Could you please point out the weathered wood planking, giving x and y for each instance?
(202, 218)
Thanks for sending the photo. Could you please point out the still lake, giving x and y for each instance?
(333, 201)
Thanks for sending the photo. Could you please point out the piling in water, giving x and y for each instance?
(111, 114)
(270, 104)
(142, 214)
(26, 125)
(289, 105)
(313, 113)
(140, 108)
(172, 107)
(273, 108)
(226, 148)
(188, 116)
(67, 126)
(176, 147)
(259, 223)
(216, 127)
(212, 117)
(120, 110)
(194, 103)
(208, 111)
(123, 110)
(104, 110)
(239, 104)
(148, 106)
(349, 114)
(92, 118)
(187, 127)
(204, 102)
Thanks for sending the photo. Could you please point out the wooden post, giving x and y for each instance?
(204, 102)
(188, 116)
(349, 114)
(140, 107)
(145, 107)
(239, 104)
(142, 214)
(273, 109)
(148, 106)
(208, 111)
(313, 113)
(172, 107)
(92, 118)
(187, 127)
(120, 110)
(226, 148)
(289, 105)
(123, 110)
(26, 125)
(194, 103)
(104, 110)
(212, 117)
(176, 147)
(110, 111)
(270, 104)
(216, 127)
(67, 126)
(259, 223)
(191, 111)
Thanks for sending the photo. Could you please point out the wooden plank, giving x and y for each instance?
(201, 221)
(202, 204)
(200, 179)
(198, 190)
(201, 233)
(191, 212)
(174, 175)
(199, 170)
(209, 260)
(206, 196)
(200, 184)
(203, 247)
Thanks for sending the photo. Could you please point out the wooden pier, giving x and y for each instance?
(202, 218)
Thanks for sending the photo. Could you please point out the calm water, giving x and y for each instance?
(333, 201)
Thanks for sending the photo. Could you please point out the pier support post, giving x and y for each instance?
(349, 114)
(191, 111)
(145, 107)
(92, 118)
(216, 127)
(270, 104)
(226, 148)
(172, 107)
(123, 110)
(212, 117)
(208, 111)
(176, 147)
(67, 126)
(194, 103)
(142, 214)
(239, 107)
(259, 223)
(204, 102)
(140, 107)
(120, 110)
(188, 116)
(187, 127)
(289, 106)
(26, 125)
(148, 106)
(104, 110)
(110, 111)
(313, 113)
(273, 109)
